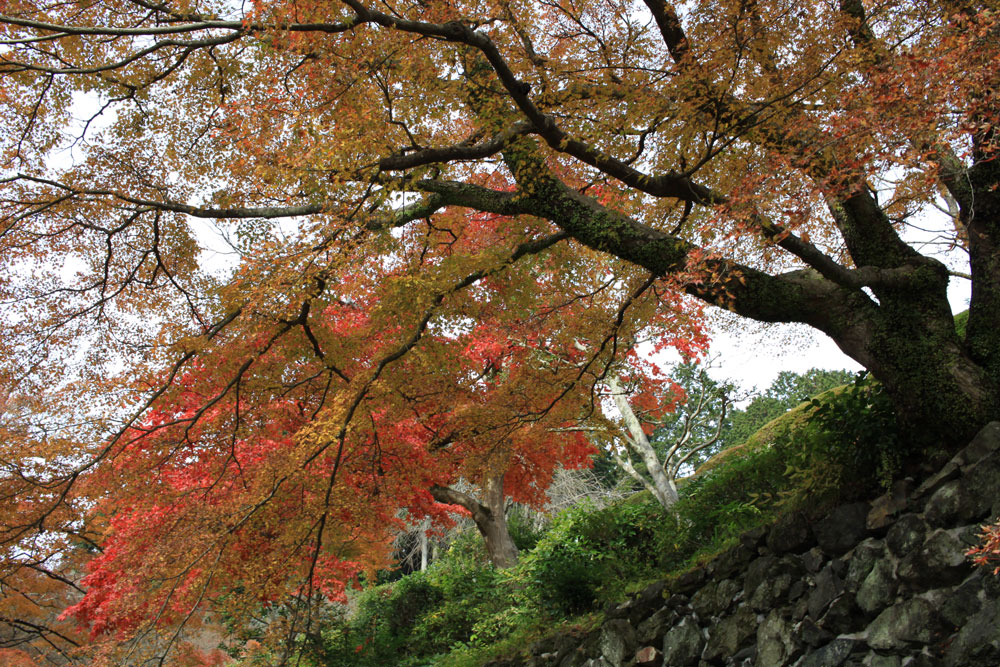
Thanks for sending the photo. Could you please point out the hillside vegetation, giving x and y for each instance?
(838, 445)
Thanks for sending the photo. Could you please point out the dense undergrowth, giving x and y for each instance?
(461, 611)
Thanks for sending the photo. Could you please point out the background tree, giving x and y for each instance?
(489, 515)
(694, 419)
(659, 435)
(699, 425)
(415, 192)
(596, 486)
(788, 390)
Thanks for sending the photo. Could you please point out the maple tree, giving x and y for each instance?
(447, 222)
(988, 553)
(33, 597)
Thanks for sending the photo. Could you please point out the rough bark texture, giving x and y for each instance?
(489, 516)
(890, 312)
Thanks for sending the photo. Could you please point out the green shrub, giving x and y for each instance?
(848, 447)
(589, 555)
(471, 591)
(381, 628)
(522, 528)
(841, 443)
(729, 499)
(461, 598)
(961, 323)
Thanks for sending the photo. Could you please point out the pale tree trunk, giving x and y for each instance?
(424, 525)
(662, 474)
(661, 486)
(489, 516)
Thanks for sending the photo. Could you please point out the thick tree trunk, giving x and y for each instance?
(887, 307)
(901, 330)
(943, 388)
(980, 213)
(905, 336)
(940, 394)
(490, 518)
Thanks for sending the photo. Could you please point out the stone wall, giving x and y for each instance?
(883, 584)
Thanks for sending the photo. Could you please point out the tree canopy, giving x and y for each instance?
(447, 222)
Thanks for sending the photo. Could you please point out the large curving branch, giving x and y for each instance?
(62, 29)
(395, 218)
(457, 152)
(670, 184)
(807, 296)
